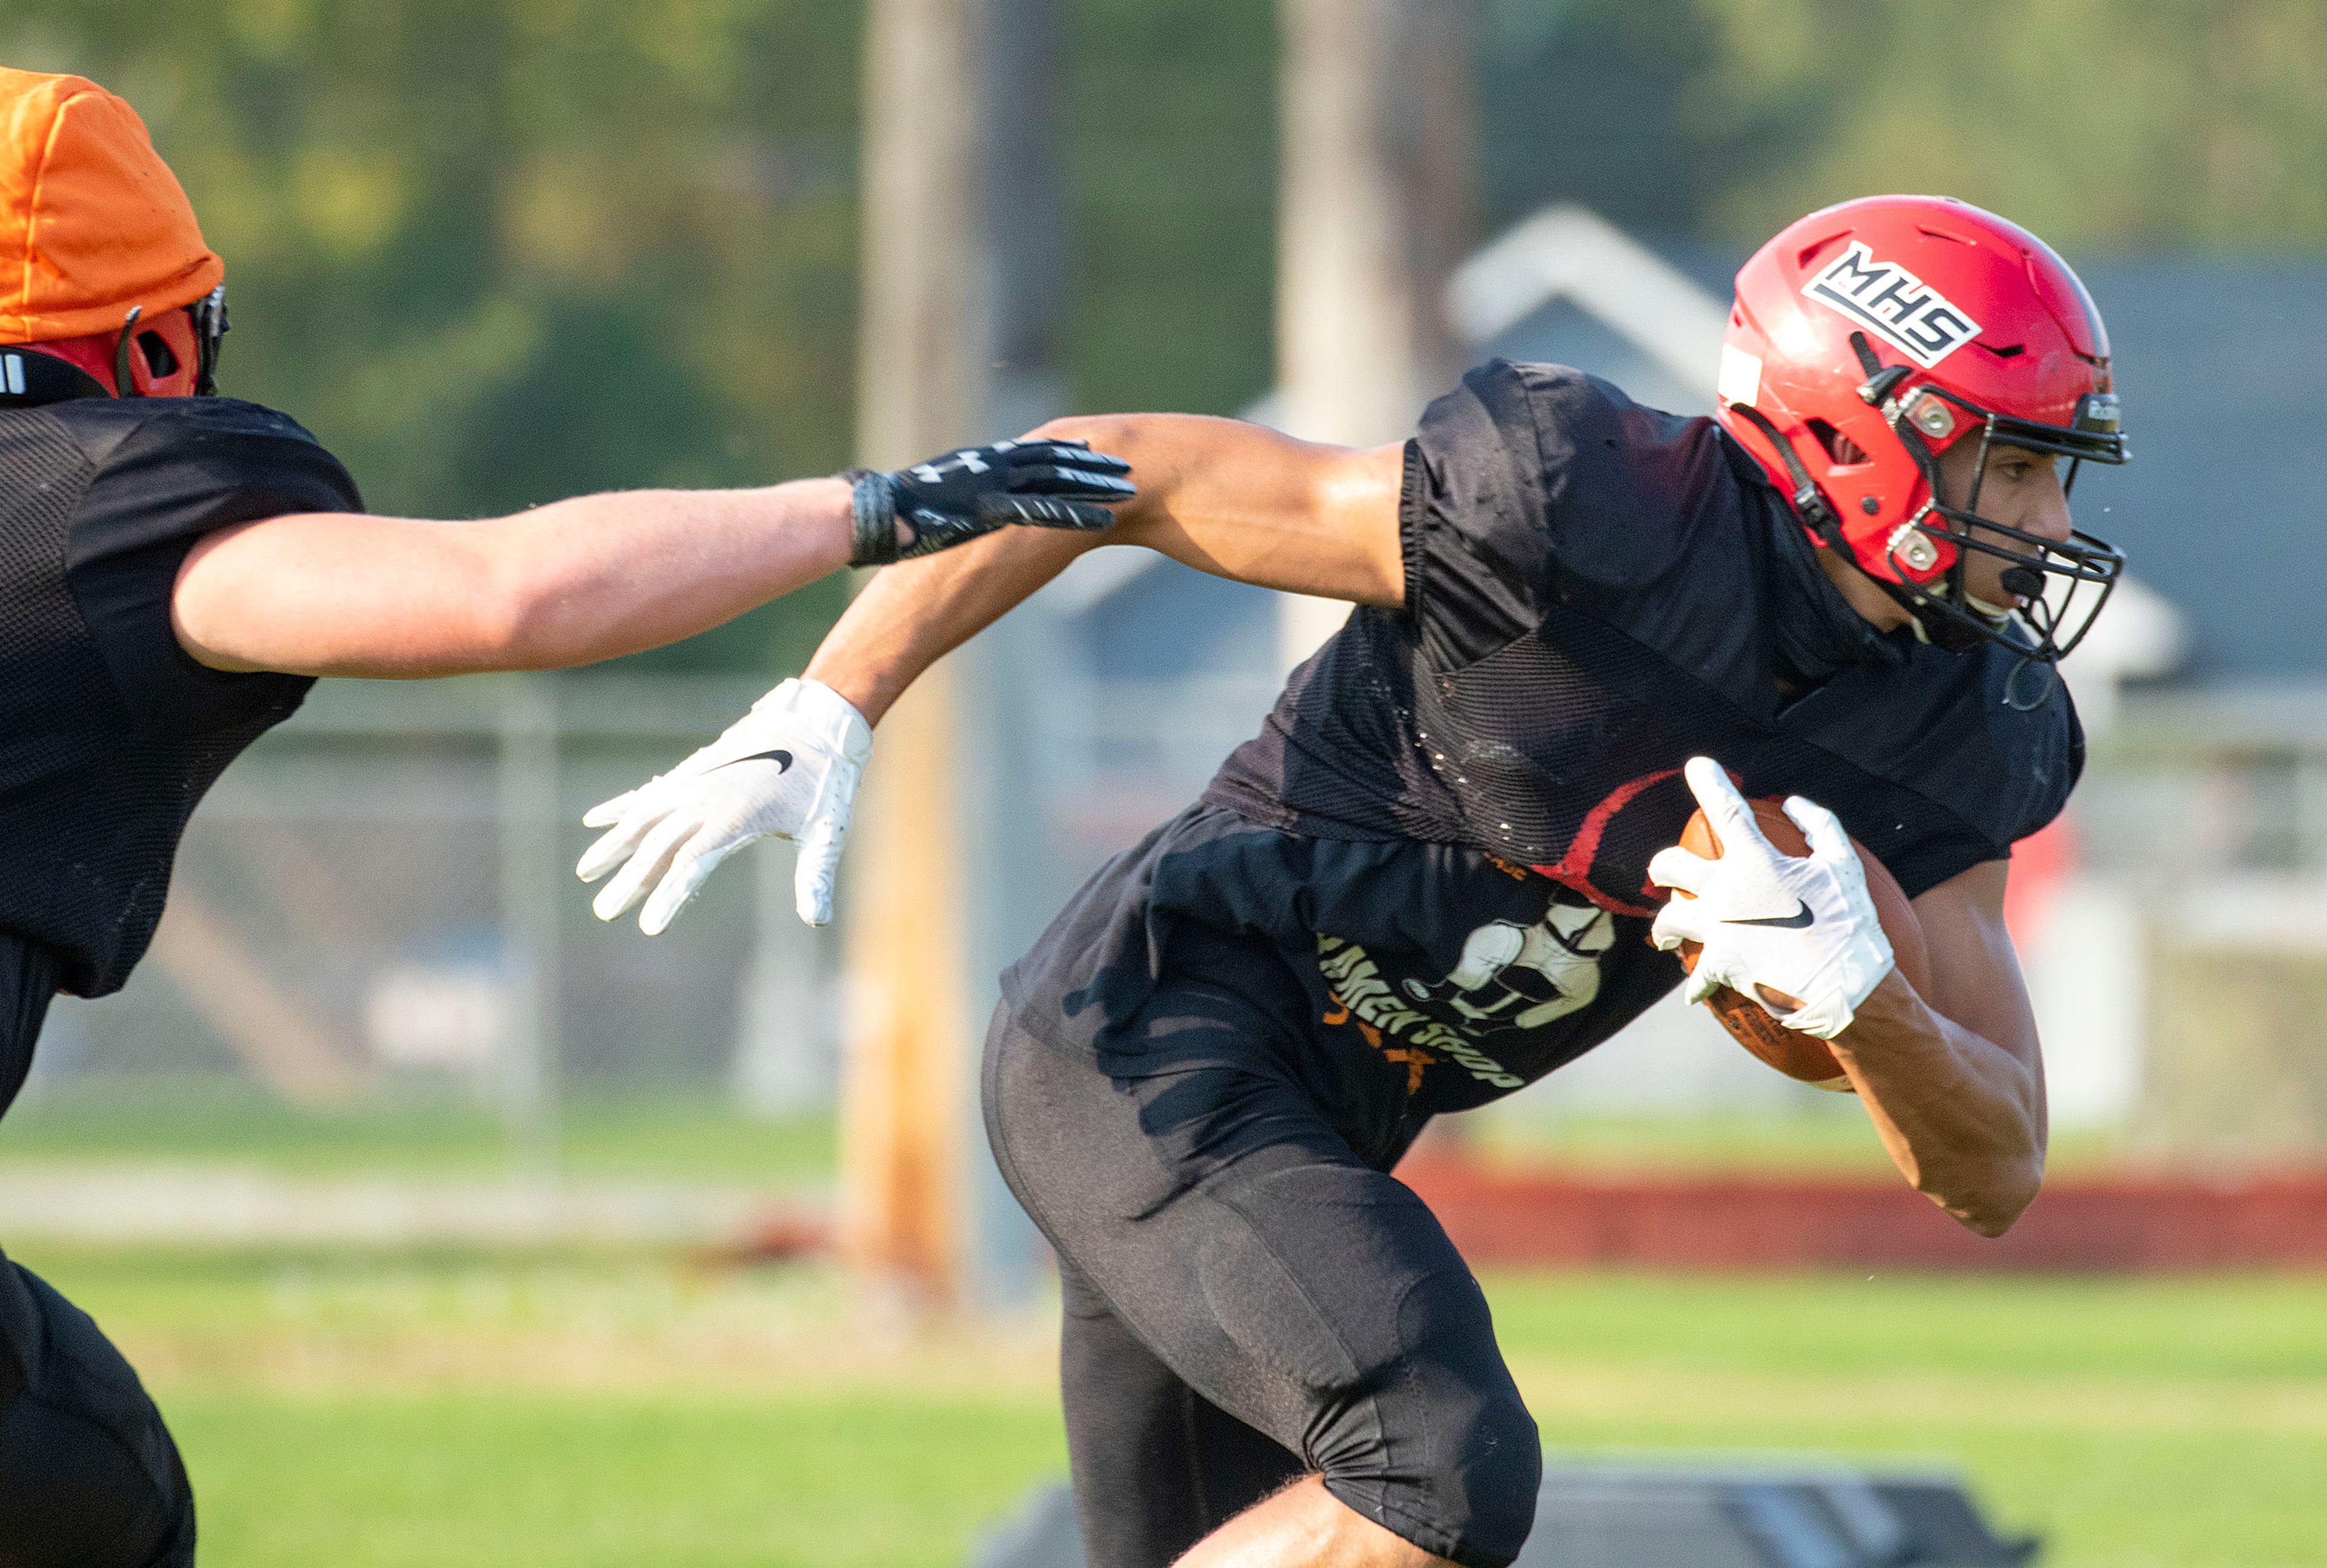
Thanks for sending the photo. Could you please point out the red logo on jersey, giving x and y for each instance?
(1608, 856)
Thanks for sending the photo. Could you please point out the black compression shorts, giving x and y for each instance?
(1247, 1299)
(88, 1475)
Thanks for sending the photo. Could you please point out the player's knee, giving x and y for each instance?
(1469, 1495)
(1443, 1451)
(1488, 1478)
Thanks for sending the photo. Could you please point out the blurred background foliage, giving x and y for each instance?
(499, 251)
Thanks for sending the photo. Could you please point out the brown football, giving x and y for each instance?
(1798, 1055)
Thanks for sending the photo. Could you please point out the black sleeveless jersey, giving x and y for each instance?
(109, 732)
(1438, 846)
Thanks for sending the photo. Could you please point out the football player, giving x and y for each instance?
(176, 567)
(1441, 870)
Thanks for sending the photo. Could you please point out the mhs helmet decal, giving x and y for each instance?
(1894, 305)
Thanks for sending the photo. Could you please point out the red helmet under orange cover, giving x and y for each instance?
(93, 225)
(1869, 337)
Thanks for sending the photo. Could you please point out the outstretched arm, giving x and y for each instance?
(572, 583)
(583, 579)
(1230, 499)
(1238, 500)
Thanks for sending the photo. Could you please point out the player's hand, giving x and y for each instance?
(1803, 926)
(789, 769)
(955, 497)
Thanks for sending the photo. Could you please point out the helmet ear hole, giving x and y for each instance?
(1843, 452)
(160, 360)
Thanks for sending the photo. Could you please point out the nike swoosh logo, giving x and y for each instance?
(782, 760)
(1794, 922)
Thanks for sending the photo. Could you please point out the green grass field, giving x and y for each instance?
(632, 1410)
(676, 1137)
(229, 1123)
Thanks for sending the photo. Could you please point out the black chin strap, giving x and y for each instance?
(1809, 501)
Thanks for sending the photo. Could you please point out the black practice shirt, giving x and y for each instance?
(109, 732)
(1431, 865)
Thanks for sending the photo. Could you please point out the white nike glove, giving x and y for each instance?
(1802, 926)
(789, 769)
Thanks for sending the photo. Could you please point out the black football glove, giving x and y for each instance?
(951, 499)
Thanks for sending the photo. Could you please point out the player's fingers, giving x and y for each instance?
(1724, 808)
(612, 848)
(1075, 454)
(1718, 974)
(1069, 480)
(1828, 839)
(690, 869)
(647, 863)
(1045, 512)
(819, 867)
(1677, 923)
(1676, 867)
(607, 813)
(1824, 1023)
(1702, 983)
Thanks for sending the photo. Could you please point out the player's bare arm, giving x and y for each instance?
(1954, 1082)
(1234, 499)
(595, 577)
(577, 581)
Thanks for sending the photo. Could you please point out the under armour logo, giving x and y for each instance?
(934, 473)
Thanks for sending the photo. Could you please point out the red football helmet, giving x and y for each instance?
(1870, 337)
(173, 354)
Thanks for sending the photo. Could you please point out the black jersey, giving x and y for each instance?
(109, 732)
(1432, 861)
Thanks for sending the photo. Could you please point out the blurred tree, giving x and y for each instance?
(495, 252)
(2121, 123)
(2118, 122)
(1606, 103)
(1172, 139)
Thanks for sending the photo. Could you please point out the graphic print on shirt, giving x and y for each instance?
(1521, 977)
(1512, 978)
(1364, 995)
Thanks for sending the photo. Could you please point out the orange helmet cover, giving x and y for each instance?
(91, 221)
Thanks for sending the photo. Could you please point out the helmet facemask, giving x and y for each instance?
(210, 336)
(2062, 583)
